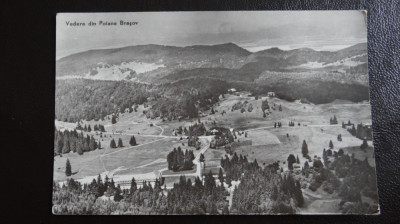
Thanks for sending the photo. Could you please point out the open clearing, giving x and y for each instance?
(269, 144)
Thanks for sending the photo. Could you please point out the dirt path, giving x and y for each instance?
(162, 129)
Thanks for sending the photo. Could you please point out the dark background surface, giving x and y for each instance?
(27, 103)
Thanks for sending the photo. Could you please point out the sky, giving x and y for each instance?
(252, 30)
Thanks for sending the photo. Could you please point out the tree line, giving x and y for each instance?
(78, 99)
(67, 141)
(186, 197)
(96, 127)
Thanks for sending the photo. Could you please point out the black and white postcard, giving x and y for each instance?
(213, 113)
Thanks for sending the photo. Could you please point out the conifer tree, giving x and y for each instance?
(364, 145)
(133, 186)
(304, 148)
(117, 194)
(202, 157)
(298, 194)
(297, 159)
(330, 144)
(221, 176)
(92, 144)
(112, 144)
(120, 143)
(291, 159)
(102, 129)
(89, 128)
(68, 171)
(132, 141)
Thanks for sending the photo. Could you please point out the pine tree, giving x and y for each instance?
(221, 176)
(306, 165)
(291, 159)
(297, 159)
(89, 128)
(324, 155)
(120, 143)
(364, 145)
(112, 144)
(113, 120)
(304, 148)
(132, 141)
(133, 186)
(298, 194)
(117, 194)
(92, 144)
(330, 144)
(202, 157)
(68, 171)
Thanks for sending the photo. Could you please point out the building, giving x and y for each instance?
(214, 131)
(232, 90)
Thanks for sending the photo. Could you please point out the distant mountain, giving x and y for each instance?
(297, 73)
(224, 55)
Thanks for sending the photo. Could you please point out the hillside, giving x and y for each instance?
(165, 56)
(150, 63)
(194, 76)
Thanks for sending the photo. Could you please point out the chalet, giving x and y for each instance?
(232, 90)
(214, 131)
(271, 94)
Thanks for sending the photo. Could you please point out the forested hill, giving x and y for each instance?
(181, 81)
(169, 56)
(78, 99)
(156, 63)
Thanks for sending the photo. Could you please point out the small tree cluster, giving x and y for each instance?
(333, 120)
(179, 160)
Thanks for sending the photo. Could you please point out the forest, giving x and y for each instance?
(87, 99)
(258, 186)
(78, 99)
(179, 160)
(67, 141)
(184, 198)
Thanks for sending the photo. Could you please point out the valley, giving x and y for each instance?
(269, 144)
(139, 125)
